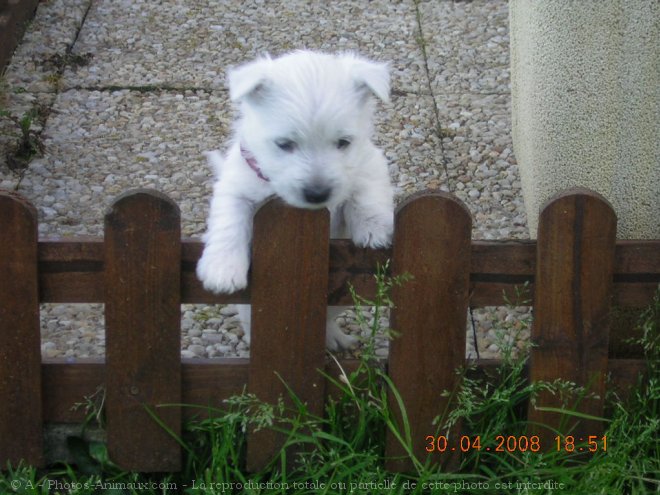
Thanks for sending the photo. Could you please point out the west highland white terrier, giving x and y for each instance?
(303, 134)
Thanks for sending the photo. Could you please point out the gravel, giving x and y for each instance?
(130, 93)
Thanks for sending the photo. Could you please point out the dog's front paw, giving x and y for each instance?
(336, 340)
(373, 232)
(223, 272)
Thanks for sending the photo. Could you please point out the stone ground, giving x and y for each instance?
(129, 94)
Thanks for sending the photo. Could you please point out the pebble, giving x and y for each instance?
(215, 338)
(382, 352)
(197, 350)
(229, 310)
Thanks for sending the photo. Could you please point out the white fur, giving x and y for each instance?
(296, 114)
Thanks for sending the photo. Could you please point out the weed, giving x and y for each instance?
(59, 62)
(93, 405)
(29, 144)
(382, 299)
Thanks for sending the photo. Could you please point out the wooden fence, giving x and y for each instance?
(143, 272)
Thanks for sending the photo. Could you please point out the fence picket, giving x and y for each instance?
(290, 256)
(20, 350)
(574, 275)
(142, 313)
(432, 243)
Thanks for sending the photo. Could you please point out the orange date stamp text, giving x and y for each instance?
(514, 443)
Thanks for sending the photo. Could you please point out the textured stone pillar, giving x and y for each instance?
(585, 86)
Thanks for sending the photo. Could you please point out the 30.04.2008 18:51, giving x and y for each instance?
(512, 443)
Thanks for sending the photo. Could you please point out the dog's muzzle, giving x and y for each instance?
(317, 194)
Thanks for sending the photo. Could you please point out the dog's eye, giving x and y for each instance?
(286, 145)
(343, 143)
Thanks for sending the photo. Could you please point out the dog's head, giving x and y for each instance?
(306, 119)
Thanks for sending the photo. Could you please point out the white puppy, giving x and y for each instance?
(304, 134)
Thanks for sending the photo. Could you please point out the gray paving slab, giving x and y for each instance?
(483, 171)
(101, 143)
(467, 45)
(38, 59)
(187, 44)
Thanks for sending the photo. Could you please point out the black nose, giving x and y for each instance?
(316, 194)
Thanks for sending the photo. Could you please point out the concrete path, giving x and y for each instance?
(130, 93)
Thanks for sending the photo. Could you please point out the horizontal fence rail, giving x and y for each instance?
(71, 271)
(142, 271)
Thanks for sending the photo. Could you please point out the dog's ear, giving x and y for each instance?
(249, 80)
(371, 76)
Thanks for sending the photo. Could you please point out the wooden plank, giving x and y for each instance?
(575, 265)
(639, 257)
(20, 350)
(72, 271)
(289, 305)
(503, 258)
(143, 330)
(207, 382)
(352, 265)
(636, 272)
(432, 243)
(68, 387)
(498, 269)
(633, 295)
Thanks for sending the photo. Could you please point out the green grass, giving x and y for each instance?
(345, 448)
(29, 145)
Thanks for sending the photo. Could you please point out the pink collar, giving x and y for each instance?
(252, 163)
